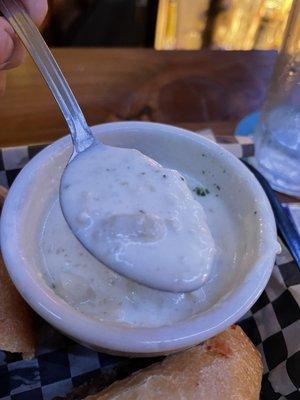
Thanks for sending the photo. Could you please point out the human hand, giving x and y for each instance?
(11, 49)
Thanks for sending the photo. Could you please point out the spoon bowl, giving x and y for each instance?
(138, 218)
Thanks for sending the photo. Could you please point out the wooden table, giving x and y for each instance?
(194, 89)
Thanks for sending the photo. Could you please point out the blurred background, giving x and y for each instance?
(167, 24)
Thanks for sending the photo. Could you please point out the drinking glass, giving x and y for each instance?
(277, 137)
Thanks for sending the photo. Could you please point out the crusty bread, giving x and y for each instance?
(225, 367)
(16, 325)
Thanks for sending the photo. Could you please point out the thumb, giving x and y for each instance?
(11, 51)
(6, 41)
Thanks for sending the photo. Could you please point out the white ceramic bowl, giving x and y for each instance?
(241, 194)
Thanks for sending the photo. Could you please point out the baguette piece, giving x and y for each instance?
(225, 367)
(16, 323)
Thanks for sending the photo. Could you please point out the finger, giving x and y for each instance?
(37, 9)
(11, 50)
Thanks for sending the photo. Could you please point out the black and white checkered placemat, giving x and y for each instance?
(272, 324)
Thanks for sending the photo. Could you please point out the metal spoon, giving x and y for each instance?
(81, 134)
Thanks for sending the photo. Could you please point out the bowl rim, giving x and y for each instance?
(139, 340)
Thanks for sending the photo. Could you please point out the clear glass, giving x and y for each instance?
(277, 137)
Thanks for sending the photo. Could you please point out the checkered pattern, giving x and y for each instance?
(53, 373)
(272, 323)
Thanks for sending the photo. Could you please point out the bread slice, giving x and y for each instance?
(225, 367)
(16, 323)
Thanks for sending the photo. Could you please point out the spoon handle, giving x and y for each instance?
(27, 31)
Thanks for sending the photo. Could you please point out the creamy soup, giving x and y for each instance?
(95, 290)
(138, 218)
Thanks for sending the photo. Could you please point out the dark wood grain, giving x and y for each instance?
(195, 89)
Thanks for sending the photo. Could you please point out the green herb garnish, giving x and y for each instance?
(200, 191)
